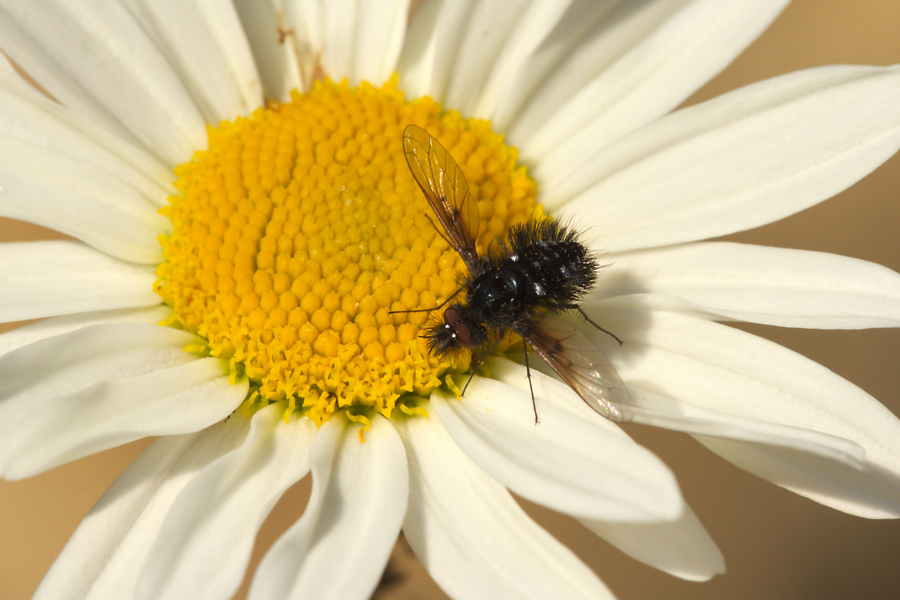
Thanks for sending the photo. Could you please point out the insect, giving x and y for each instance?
(539, 270)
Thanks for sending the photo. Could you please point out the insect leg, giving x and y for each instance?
(588, 319)
(444, 303)
(528, 373)
(478, 364)
(427, 216)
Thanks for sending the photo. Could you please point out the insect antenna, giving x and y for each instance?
(588, 319)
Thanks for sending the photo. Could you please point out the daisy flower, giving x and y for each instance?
(244, 224)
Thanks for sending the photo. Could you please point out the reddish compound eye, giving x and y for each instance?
(460, 329)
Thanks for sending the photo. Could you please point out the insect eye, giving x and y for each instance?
(464, 335)
(462, 331)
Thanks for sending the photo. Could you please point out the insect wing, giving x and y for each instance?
(583, 366)
(446, 189)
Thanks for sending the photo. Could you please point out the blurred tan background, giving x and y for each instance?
(776, 545)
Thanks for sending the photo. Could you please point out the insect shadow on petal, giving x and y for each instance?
(539, 270)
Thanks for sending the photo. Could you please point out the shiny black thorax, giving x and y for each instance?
(539, 267)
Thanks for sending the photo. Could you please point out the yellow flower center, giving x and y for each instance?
(301, 227)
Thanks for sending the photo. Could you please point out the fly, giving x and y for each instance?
(539, 270)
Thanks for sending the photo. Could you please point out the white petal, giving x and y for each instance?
(489, 28)
(206, 45)
(538, 21)
(659, 411)
(31, 118)
(742, 160)
(74, 196)
(40, 279)
(380, 28)
(871, 493)
(714, 367)
(340, 19)
(177, 400)
(95, 57)
(340, 546)
(636, 65)
(564, 462)
(681, 548)
(205, 541)
(542, 81)
(75, 360)
(451, 46)
(470, 534)
(322, 34)
(775, 286)
(270, 33)
(431, 43)
(652, 409)
(42, 186)
(53, 326)
(105, 555)
(35, 379)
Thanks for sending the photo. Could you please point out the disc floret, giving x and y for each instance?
(301, 227)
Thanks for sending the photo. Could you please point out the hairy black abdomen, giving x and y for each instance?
(559, 268)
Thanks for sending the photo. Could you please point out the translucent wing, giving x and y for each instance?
(582, 365)
(445, 187)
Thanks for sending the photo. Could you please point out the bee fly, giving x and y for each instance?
(539, 269)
